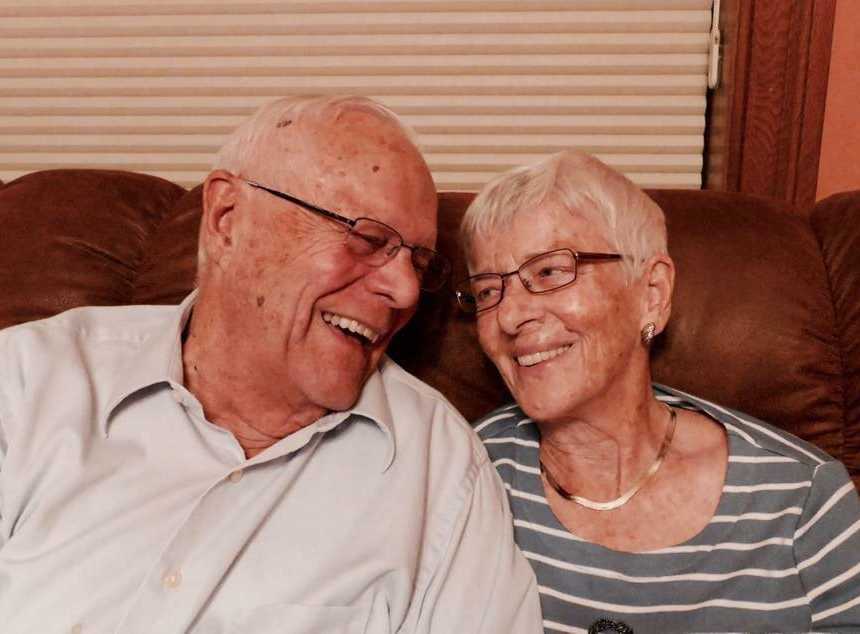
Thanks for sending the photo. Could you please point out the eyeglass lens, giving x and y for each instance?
(377, 243)
(541, 274)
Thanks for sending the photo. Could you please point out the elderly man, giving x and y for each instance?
(250, 461)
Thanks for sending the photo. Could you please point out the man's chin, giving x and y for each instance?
(342, 396)
(340, 404)
(340, 390)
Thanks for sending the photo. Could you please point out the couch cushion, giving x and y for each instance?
(836, 222)
(169, 266)
(75, 237)
(753, 324)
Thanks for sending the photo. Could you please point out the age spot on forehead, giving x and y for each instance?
(283, 123)
(261, 299)
(376, 168)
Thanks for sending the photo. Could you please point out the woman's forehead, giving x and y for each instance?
(534, 231)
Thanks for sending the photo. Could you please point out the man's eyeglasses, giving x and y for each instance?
(543, 273)
(375, 243)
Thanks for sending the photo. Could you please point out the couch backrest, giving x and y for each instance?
(81, 237)
(766, 315)
(836, 223)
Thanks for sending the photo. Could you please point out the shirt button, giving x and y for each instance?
(172, 579)
(235, 476)
(77, 629)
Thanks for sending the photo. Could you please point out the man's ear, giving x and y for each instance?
(220, 193)
(659, 282)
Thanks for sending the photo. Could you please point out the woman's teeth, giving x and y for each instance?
(351, 325)
(538, 357)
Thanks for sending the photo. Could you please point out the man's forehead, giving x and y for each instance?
(311, 145)
(347, 125)
(351, 157)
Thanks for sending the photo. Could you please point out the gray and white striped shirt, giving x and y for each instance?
(781, 554)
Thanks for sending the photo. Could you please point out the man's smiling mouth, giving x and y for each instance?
(350, 326)
(539, 357)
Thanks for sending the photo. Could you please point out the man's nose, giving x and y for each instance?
(397, 279)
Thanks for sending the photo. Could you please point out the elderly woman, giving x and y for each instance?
(640, 507)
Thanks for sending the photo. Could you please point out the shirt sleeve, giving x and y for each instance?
(483, 585)
(4, 421)
(2, 458)
(827, 550)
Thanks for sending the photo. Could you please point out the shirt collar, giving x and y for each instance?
(373, 405)
(160, 361)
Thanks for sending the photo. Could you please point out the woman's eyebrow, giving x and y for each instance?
(555, 245)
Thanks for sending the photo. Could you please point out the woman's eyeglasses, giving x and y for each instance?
(543, 273)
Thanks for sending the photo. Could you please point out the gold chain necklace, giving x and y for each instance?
(627, 495)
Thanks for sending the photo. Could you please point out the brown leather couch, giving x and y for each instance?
(766, 315)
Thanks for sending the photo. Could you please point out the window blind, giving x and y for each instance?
(155, 86)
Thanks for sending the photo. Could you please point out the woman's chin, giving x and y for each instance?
(542, 406)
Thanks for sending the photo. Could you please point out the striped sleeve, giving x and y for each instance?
(827, 550)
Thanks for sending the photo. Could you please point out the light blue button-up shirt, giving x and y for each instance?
(122, 509)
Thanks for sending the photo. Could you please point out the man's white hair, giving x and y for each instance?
(635, 225)
(250, 141)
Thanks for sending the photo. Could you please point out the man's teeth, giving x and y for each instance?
(537, 357)
(351, 325)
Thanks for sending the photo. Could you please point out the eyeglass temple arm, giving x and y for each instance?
(301, 203)
(585, 255)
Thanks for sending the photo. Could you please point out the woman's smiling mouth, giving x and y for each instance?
(539, 357)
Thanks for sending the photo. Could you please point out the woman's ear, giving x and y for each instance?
(659, 282)
(220, 192)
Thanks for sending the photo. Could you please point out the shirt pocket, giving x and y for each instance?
(283, 618)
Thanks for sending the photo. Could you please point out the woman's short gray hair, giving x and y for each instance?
(244, 147)
(635, 225)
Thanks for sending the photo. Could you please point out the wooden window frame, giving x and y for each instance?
(766, 117)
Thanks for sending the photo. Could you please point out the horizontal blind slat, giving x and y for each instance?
(380, 85)
(463, 143)
(226, 124)
(445, 162)
(457, 180)
(444, 183)
(37, 8)
(403, 104)
(576, 21)
(361, 64)
(158, 48)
